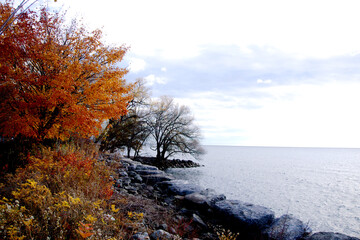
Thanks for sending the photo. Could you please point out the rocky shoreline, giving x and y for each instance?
(165, 164)
(203, 212)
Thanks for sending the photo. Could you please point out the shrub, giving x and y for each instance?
(63, 194)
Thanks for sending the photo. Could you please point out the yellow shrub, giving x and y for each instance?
(64, 194)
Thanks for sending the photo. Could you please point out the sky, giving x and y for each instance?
(254, 73)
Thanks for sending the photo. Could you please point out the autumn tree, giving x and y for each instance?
(15, 13)
(173, 129)
(129, 131)
(57, 79)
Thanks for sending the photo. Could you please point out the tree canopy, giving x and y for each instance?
(172, 128)
(57, 79)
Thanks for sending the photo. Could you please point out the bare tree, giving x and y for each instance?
(129, 131)
(173, 130)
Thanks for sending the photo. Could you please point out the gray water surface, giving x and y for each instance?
(320, 186)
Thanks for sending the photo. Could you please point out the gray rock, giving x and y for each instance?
(214, 199)
(330, 236)
(163, 226)
(122, 173)
(137, 178)
(182, 187)
(132, 173)
(131, 168)
(126, 181)
(196, 219)
(161, 235)
(131, 189)
(119, 183)
(142, 167)
(149, 172)
(196, 199)
(141, 236)
(245, 214)
(287, 227)
(156, 178)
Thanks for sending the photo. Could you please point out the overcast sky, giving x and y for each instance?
(255, 73)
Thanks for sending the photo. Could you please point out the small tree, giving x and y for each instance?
(129, 131)
(173, 129)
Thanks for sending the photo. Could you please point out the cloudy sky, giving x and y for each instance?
(255, 73)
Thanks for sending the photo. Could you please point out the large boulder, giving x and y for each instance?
(161, 235)
(195, 199)
(330, 236)
(287, 227)
(182, 187)
(156, 178)
(244, 215)
(145, 167)
(140, 236)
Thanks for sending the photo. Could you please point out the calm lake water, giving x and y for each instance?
(320, 186)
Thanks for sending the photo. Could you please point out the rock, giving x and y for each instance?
(161, 235)
(132, 173)
(131, 189)
(182, 187)
(126, 181)
(141, 236)
(330, 236)
(286, 227)
(109, 217)
(142, 167)
(163, 226)
(196, 199)
(137, 178)
(148, 172)
(122, 173)
(215, 199)
(131, 168)
(244, 214)
(119, 183)
(196, 219)
(156, 178)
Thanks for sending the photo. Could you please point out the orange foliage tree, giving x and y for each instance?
(57, 79)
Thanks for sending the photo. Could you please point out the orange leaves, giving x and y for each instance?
(56, 79)
(85, 230)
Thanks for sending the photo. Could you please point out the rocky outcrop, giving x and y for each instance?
(164, 164)
(330, 236)
(246, 215)
(287, 227)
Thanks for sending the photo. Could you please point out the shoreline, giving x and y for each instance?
(206, 208)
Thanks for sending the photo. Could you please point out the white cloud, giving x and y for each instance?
(163, 69)
(137, 65)
(267, 81)
(314, 116)
(152, 79)
(304, 28)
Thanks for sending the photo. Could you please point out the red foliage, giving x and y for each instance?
(56, 80)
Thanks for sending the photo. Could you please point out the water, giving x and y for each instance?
(320, 186)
